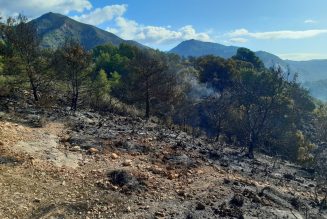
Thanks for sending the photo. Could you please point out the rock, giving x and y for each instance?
(172, 176)
(224, 211)
(180, 160)
(157, 170)
(237, 200)
(114, 156)
(37, 200)
(286, 214)
(93, 151)
(1, 143)
(224, 163)
(289, 176)
(76, 148)
(226, 181)
(65, 138)
(127, 163)
(295, 202)
(159, 214)
(200, 206)
(251, 195)
(181, 193)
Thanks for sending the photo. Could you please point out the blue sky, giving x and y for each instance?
(292, 29)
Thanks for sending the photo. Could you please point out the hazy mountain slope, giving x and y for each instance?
(313, 73)
(312, 70)
(198, 48)
(317, 89)
(54, 28)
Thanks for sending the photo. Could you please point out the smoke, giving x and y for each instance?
(195, 90)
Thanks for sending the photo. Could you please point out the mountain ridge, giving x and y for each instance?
(311, 70)
(53, 29)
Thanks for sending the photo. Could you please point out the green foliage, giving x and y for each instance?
(305, 148)
(241, 101)
(151, 82)
(1, 64)
(246, 55)
(23, 57)
(217, 71)
(111, 59)
(100, 88)
(115, 79)
(254, 106)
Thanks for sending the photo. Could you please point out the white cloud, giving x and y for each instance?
(158, 35)
(238, 40)
(285, 34)
(302, 56)
(34, 8)
(310, 21)
(127, 29)
(101, 15)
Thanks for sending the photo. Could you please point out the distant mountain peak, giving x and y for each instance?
(54, 29)
(198, 48)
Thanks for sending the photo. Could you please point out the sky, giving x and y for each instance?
(291, 29)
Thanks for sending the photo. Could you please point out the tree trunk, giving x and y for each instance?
(251, 146)
(147, 101)
(218, 129)
(250, 151)
(74, 101)
(34, 89)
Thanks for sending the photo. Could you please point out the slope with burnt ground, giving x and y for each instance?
(84, 165)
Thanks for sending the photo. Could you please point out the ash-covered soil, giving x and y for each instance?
(84, 165)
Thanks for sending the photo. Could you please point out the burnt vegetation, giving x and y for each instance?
(234, 101)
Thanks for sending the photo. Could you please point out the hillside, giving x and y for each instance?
(312, 70)
(197, 48)
(318, 89)
(54, 28)
(53, 165)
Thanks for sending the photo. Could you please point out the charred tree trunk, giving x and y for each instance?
(252, 144)
(34, 89)
(147, 101)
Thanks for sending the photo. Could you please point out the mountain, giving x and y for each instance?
(317, 89)
(312, 70)
(312, 74)
(308, 71)
(54, 28)
(198, 48)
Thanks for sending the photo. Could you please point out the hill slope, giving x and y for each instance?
(163, 174)
(54, 28)
(198, 48)
(312, 70)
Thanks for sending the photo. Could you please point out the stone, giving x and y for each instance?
(172, 176)
(37, 200)
(237, 200)
(114, 156)
(160, 214)
(127, 163)
(200, 206)
(93, 151)
(76, 148)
